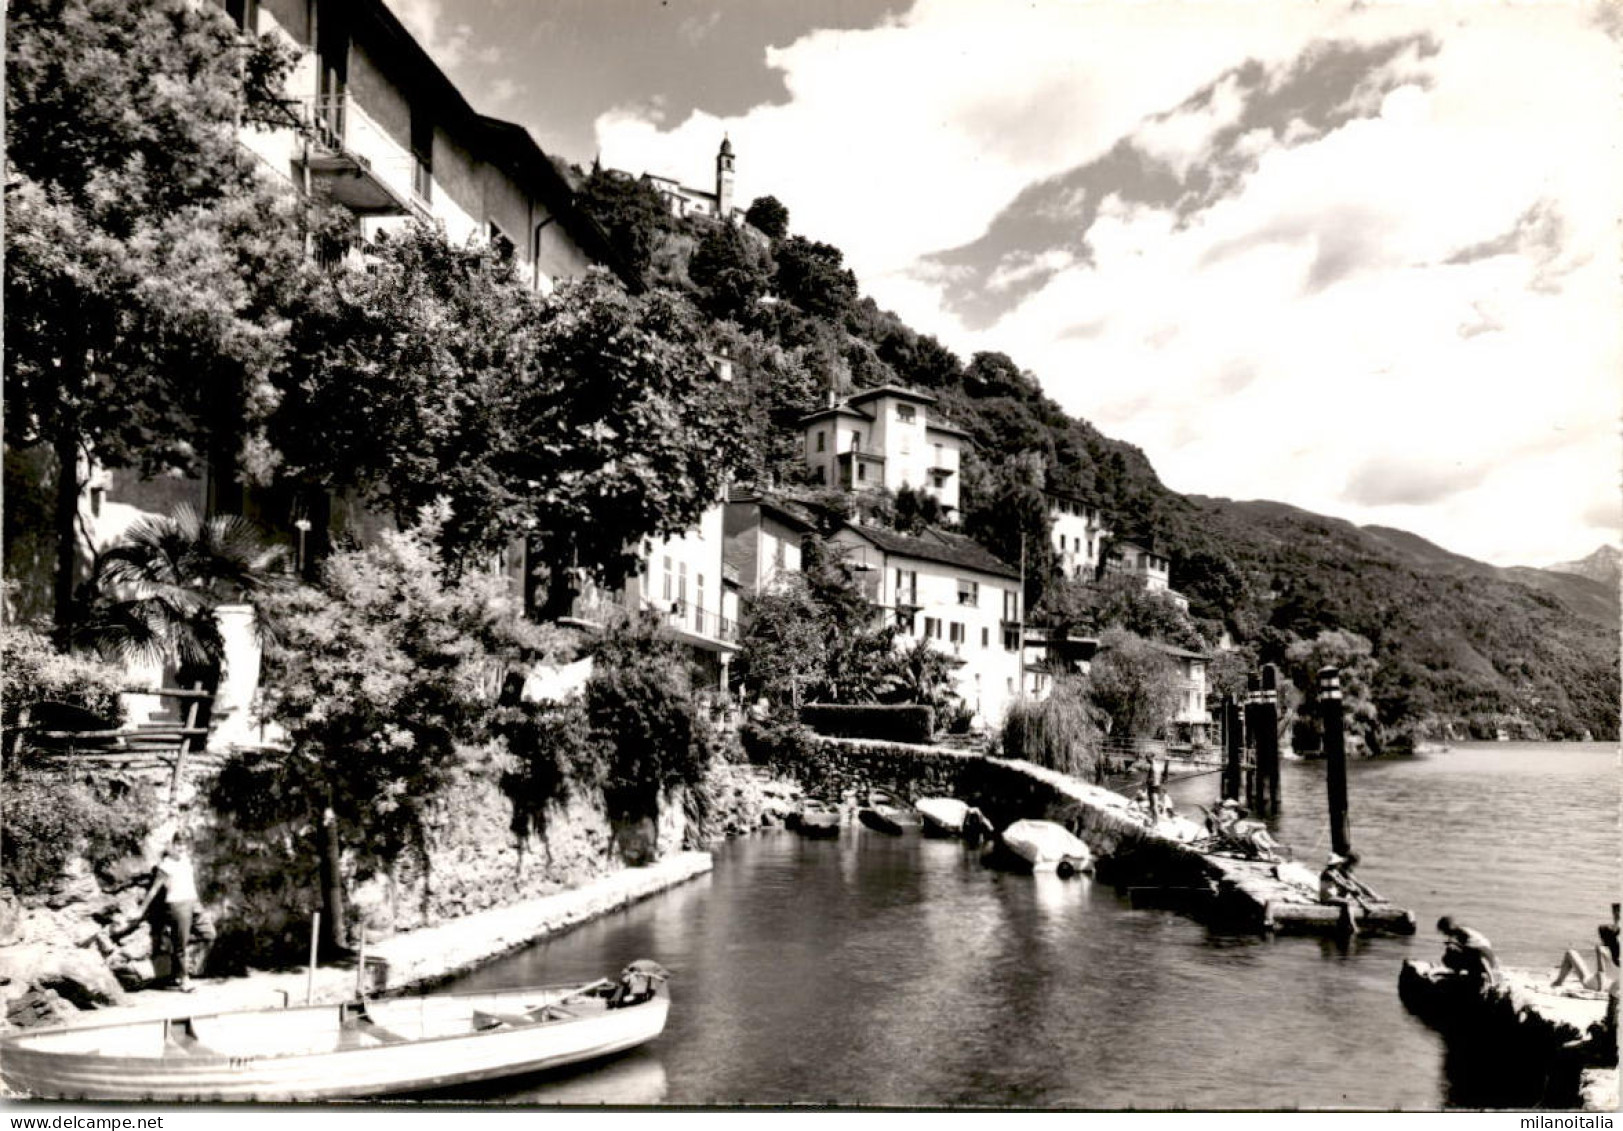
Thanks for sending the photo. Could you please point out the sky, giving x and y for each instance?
(1363, 258)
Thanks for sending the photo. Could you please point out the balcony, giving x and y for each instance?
(703, 628)
(357, 163)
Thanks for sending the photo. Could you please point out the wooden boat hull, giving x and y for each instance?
(321, 1053)
(883, 819)
(1048, 847)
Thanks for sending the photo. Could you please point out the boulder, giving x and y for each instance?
(39, 1007)
(79, 975)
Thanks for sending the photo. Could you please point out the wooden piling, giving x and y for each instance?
(1335, 758)
(1268, 743)
(1253, 704)
(1233, 747)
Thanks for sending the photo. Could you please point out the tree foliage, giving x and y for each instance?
(813, 277)
(630, 211)
(1133, 685)
(731, 273)
(1058, 731)
(131, 205)
(768, 215)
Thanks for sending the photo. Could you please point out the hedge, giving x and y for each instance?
(899, 722)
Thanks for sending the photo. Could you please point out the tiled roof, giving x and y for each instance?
(784, 509)
(901, 392)
(836, 410)
(937, 546)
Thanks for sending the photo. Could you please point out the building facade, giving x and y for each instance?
(945, 589)
(763, 537)
(885, 438)
(684, 200)
(1079, 533)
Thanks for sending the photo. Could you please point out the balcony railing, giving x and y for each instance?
(365, 169)
(703, 622)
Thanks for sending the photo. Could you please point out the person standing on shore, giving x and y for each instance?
(176, 880)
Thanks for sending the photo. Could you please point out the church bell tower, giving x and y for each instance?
(724, 179)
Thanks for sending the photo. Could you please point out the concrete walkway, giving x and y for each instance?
(421, 958)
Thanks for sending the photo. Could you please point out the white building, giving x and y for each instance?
(685, 200)
(948, 590)
(1078, 535)
(763, 536)
(1191, 721)
(885, 438)
(686, 582)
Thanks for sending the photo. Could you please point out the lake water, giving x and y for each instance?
(881, 971)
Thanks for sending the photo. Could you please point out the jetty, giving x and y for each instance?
(1563, 1039)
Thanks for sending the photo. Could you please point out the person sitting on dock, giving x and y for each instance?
(1604, 976)
(1468, 952)
(1248, 838)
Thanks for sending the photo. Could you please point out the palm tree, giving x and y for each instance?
(153, 594)
(923, 674)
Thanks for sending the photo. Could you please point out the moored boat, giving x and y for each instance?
(349, 1051)
(949, 817)
(1048, 847)
(817, 819)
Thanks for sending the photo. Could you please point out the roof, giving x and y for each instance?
(372, 19)
(1129, 544)
(782, 509)
(901, 392)
(949, 429)
(1070, 498)
(937, 545)
(1174, 650)
(834, 410)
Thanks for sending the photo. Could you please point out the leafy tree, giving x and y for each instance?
(1355, 658)
(923, 674)
(730, 272)
(144, 251)
(630, 211)
(768, 215)
(916, 509)
(643, 713)
(385, 680)
(1133, 685)
(1124, 600)
(1008, 514)
(813, 277)
(1059, 731)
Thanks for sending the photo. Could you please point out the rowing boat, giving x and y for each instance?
(354, 1050)
(1048, 847)
(817, 819)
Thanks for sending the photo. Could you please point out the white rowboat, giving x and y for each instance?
(1048, 847)
(326, 1052)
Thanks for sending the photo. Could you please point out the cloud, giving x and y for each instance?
(448, 43)
(1361, 259)
(695, 28)
(1409, 481)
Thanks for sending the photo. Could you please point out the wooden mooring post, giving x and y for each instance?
(1268, 743)
(1335, 758)
(1233, 748)
(1253, 704)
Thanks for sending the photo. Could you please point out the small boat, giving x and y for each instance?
(881, 819)
(947, 816)
(1048, 847)
(354, 1050)
(817, 819)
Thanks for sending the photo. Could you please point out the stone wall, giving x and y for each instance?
(1005, 790)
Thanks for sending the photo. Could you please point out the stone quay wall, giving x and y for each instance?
(1006, 790)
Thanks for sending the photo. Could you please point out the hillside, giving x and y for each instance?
(1462, 648)
(1605, 565)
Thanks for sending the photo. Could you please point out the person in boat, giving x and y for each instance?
(1468, 952)
(638, 983)
(1604, 975)
(176, 881)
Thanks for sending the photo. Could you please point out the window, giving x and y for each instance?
(698, 603)
(907, 587)
(904, 621)
(957, 631)
(667, 589)
(938, 459)
(820, 473)
(1062, 543)
(986, 638)
(862, 471)
(904, 413)
(1011, 605)
(682, 584)
(932, 628)
(1011, 640)
(969, 592)
(821, 440)
(938, 480)
(856, 441)
(422, 153)
(779, 550)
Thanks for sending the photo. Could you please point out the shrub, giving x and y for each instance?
(1057, 732)
(646, 719)
(900, 722)
(35, 672)
(50, 820)
(552, 748)
(778, 743)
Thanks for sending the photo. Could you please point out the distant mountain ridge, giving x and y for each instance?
(1605, 565)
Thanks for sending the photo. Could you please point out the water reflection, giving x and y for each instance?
(884, 970)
